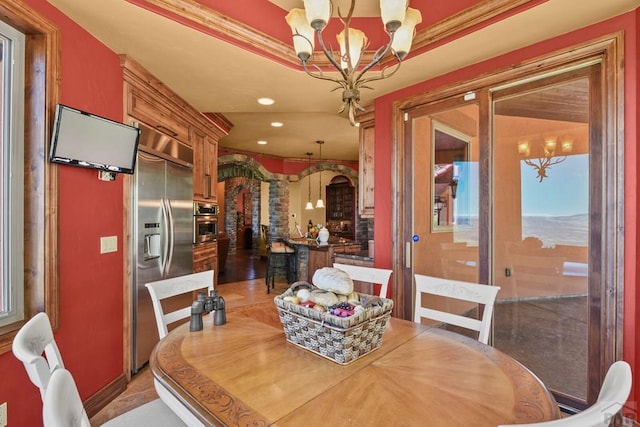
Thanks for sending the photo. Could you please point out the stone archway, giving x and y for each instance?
(250, 173)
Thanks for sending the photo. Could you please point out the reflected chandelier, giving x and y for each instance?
(399, 23)
(549, 146)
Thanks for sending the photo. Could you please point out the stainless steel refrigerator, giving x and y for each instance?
(162, 203)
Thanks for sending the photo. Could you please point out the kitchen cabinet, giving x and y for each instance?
(340, 212)
(366, 166)
(205, 257)
(205, 167)
(149, 101)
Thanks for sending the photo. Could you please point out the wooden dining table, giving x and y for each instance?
(245, 373)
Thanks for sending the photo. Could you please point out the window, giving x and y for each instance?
(11, 177)
(38, 241)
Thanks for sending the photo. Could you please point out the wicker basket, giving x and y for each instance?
(340, 339)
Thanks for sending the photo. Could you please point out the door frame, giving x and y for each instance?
(608, 51)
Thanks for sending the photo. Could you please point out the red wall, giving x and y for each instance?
(384, 196)
(91, 327)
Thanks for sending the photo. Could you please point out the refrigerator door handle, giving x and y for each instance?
(171, 235)
(165, 230)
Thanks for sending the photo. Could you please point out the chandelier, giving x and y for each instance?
(549, 147)
(399, 24)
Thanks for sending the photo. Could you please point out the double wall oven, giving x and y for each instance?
(205, 222)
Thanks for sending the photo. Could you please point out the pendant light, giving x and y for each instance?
(320, 202)
(309, 204)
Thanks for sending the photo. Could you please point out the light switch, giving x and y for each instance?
(108, 244)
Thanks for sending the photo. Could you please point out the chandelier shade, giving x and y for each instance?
(399, 24)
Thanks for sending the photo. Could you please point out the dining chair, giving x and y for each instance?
(378, 276)
(458, 290)
(34, 339)
(168, 288)
(613, 394)
(160, 291)
(63, 408)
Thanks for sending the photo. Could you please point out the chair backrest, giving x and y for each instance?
(379, 276)
(613, 394)
(34, 339)
(62, 405)
(465, 291)
(167, 288)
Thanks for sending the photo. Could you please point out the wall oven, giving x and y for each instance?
(205, 222)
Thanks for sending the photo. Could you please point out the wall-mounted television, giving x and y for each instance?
(86, 140)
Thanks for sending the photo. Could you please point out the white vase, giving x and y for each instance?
(323, 235)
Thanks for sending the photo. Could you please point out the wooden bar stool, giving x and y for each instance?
(281, 257)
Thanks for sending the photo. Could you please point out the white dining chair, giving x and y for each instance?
(459, 290)
(379, 276)
(168, 288)
(613, 394)
(36, 348)
(63, 408)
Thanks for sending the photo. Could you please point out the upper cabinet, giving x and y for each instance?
(366, 178)
(148, 101)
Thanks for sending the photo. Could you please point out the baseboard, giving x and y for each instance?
(103, 397)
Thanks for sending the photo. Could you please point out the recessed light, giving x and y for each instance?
(266, 101)
(277, 124)
(262, 142)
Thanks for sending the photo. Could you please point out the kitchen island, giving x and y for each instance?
(312, 255)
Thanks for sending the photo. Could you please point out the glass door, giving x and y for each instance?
(541, 229)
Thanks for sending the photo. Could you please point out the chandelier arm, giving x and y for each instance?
(383, 75)
(330, 55)
(378, 55)
(320, 75)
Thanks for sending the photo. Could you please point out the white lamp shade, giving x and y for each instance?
(318, 12)
(403, 37)
(393, 12)
(309, 206)
(357, 41)
(320, 204)
(297, 20)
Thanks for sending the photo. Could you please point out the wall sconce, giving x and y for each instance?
(549, 147)
(454, 187)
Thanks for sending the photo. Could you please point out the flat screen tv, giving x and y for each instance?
(86, 140)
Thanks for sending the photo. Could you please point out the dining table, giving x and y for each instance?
(245, 373)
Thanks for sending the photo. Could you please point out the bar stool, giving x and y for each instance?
(280, 256)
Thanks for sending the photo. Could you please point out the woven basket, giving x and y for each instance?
(340, 339)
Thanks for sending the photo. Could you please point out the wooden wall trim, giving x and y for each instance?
(235, 30)
(106, 395)
(42, 91)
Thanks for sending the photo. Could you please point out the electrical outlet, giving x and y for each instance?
(3, 414)
(108, 244)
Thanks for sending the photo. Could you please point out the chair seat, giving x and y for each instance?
(152, 414)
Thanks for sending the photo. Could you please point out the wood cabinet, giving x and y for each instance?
(366, 166)
(341, 212)
(205, 257)
(205, 167)
(149, 101)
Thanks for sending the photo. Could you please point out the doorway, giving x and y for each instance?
(505, 186)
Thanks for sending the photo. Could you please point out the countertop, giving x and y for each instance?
(359, 256)
(313, 244)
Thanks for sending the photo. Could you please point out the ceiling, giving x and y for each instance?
(220, 58)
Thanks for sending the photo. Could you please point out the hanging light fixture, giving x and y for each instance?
(549, 158)
(320, 202)
(309, 204)
(399, 23)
